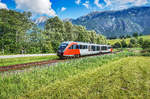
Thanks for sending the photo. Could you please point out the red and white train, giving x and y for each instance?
(76, 49)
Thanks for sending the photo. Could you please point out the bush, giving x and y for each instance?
(145, 54)
(146, 44)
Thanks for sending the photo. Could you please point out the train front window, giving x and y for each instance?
(63, 46)
(73, 47)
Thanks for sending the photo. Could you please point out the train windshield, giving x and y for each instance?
(62, 46)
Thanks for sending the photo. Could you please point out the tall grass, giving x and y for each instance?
(122, 79)
(21, 83)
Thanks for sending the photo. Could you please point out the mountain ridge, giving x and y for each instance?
(112, 23)
(116, 23)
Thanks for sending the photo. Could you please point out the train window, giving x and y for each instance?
(83, 46)
(77, 47)
(74, 46)
(109, 47)
(86, 47)
(80, 46)
(98, 48)
(93, 48)
(104, 47)
(62, 46)
(71, 47)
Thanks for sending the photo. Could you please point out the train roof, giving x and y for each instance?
(85, 43)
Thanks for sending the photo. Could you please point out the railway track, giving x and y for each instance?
(26, 65)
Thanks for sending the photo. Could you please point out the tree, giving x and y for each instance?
(141, 34)
(124, 44)
(18, 34)
(131, 45)
(55, 25)
(68, 31)
(146, 44)
(117, 45)
(140, 41)
(128, 36)
(135, 35)
(122, 37)
(14, 26)
(133, 41)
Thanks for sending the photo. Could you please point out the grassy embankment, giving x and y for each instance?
(87, 77)
(112, 42)
(21, 60)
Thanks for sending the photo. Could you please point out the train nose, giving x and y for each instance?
(59, 53)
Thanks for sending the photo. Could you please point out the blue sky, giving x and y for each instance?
(69, 8)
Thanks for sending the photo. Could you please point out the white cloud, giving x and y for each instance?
(78, 2)
(141, 2)
(3, 5)
(86, 4)
(120, 4)
(97, 3)
(108, 2)
(36, 6)
(63, 9)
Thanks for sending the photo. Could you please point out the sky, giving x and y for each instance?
(68, 8)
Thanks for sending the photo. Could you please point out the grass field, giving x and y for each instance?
(146, 37)
(21, 60)
(124, 78)
(27, 84)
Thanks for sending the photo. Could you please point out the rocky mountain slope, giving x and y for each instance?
(116, 23)
(41, 21)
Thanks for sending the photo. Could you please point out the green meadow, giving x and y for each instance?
(121, 79)
(22, 60)
(121, 75)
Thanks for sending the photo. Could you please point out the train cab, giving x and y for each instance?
(61, 49)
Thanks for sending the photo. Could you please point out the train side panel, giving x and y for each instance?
(72, 50)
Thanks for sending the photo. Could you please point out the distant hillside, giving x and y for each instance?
(116, 23)
(147, 37)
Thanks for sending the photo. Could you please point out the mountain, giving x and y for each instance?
(41, 21)
(116, 23)
(68, 19)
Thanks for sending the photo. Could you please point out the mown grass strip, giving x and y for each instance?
(22, 60)
(125, 78)
(19, 84)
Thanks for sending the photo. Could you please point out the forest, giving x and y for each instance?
(20, 35)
